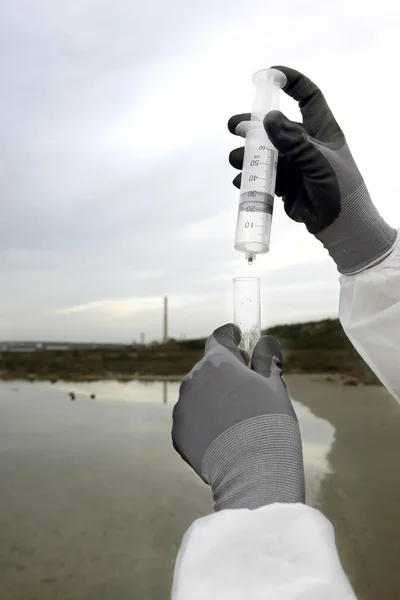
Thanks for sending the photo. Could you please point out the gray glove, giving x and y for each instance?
(319, 181)
(236, 425)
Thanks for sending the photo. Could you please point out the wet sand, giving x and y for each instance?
(362, 495)
(94, 501)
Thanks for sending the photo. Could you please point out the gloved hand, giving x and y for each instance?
(236, 425)
(319, 181)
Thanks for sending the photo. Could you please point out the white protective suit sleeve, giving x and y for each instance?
(277, 552)
(369, 311)
(288, 551)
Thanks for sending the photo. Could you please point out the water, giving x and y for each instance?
(94, 500)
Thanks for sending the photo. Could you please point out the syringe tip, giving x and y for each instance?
(250, 257)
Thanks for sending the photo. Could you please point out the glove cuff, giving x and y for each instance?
(256, 462)
(359, 237)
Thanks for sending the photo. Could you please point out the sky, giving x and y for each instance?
(114, 175)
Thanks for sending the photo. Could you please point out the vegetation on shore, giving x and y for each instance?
(321, 347)
(314, 347)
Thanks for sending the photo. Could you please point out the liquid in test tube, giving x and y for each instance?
(246, 310)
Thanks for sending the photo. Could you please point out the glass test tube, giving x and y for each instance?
(246, 310)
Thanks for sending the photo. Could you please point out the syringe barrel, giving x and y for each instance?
(259, 169)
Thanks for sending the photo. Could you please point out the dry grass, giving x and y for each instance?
(91, 365)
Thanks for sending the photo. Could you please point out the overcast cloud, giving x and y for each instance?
(114, 175)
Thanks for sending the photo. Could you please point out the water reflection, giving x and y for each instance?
(87, 470)
(165, 392)
(318, 434)
(157, 392)
(94, 500)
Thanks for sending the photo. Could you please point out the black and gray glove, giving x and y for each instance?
(319, 181)
(236, 425)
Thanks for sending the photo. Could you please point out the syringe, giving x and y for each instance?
(260, 161)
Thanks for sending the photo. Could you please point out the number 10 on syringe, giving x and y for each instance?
(259, 170)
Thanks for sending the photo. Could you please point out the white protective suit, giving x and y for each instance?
(288, 551)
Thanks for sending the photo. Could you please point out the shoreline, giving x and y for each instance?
(33, 378)
(329, 377)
